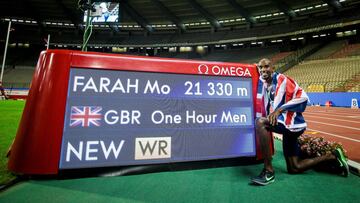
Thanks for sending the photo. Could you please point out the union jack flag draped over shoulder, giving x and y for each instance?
(85, 116)
(286, 94)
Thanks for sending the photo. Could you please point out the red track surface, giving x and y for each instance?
(336, 124)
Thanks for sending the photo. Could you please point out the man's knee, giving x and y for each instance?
(260, 122)
(294, 170)
(293, 167)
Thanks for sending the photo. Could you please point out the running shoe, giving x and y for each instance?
(266, 177)
(342, 161)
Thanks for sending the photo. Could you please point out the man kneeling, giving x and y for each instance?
(284, 102)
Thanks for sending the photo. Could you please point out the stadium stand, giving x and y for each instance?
(297, 56)
(19, 77)
(20, 67)
(315, 88)
(19, 71)
(346, 51)
(356, 51)
(328, 50)
(356, 88)
(330, 73)
(244, 55)
(349, 85)
(280, 56)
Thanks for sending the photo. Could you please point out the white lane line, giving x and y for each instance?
(334, 125)
(336, 111)
(331, 134)
(354, 164)
(332, 113)
(333, 119)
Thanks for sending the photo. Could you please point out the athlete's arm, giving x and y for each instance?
(274, 115)
(295, 105)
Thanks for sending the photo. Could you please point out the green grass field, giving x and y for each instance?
(10, 115)
(223, 184)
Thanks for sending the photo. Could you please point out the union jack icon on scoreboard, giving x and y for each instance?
(85, 116)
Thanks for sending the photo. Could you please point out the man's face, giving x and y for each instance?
(265, 69)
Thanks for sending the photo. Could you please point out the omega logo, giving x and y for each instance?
(223, 70)
(203, 69)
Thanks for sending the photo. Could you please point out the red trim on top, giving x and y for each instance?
(152, 64)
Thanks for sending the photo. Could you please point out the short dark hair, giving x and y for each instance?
(266, 60)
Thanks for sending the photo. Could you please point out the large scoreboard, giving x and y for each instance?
(88, 110)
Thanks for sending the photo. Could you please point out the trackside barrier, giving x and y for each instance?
(338, 99)
(354, 103)
(17, 93)
(93, 110)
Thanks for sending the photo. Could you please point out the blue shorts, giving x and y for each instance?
(291, 145)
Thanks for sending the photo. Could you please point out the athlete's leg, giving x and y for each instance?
(267, 175)
(262, 126)
(296, 165)
(292, 151)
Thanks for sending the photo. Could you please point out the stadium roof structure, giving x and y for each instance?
(34, 19)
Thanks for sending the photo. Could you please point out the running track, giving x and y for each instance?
(336, 124)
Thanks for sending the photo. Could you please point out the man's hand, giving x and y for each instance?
(273, 116)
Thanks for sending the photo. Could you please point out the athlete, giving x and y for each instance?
(284, 101)
(2, 91)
